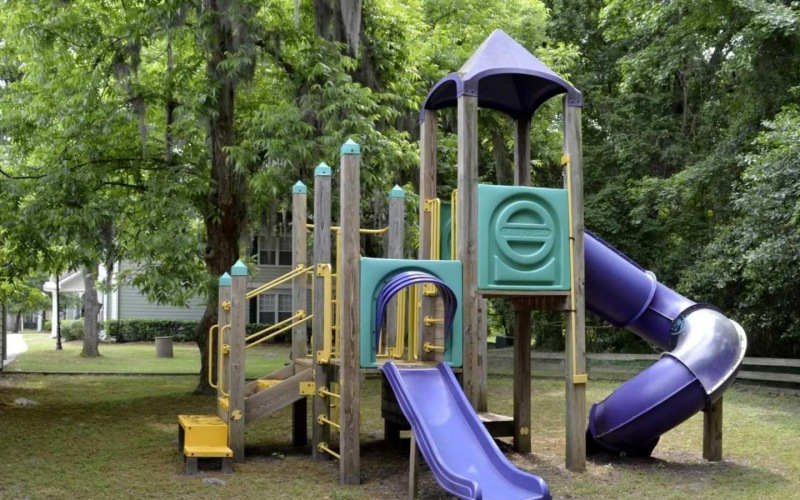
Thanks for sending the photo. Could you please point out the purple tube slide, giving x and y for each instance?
(706, 350)
(460, 452)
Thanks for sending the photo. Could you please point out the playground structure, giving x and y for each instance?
(526, 245)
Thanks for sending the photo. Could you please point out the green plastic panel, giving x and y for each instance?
(523, 239)
(445, 232)
(376, 272)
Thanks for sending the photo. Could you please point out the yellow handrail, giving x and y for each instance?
(211, 356)
(337, 311)
(274, 334)
(220, 364)
(577, 378)
(413, 326)
(300, 269)
(453, 220)
(336, 229)
(400, 341)
(434, 206)
(324, 272)
(298, 315)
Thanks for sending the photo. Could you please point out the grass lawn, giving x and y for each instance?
(115, 437)
(139, 357)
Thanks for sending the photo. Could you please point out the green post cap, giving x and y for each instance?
(397, 192)
(225, 280)
(239, 269)
(322, 170)
(350, 148)
(299, 188)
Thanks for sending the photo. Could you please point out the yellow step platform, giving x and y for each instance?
(204, 436)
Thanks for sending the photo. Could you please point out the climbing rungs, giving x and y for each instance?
(208, 451)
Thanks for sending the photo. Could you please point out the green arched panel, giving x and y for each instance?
(376, 272)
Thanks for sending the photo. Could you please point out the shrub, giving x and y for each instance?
(47, 325)
(142, 330)
(72, 329)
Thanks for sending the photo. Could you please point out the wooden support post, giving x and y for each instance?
(397, 215)
(299, 302)
(712, 432)
(348, 296)
(320, 433)
(468, 245)
(522, 380)
(236, 403)
(221, 362)
(576, 327)
(427, 191)
(483, 353)
(522, 152)
(522, 315)
(413, 468)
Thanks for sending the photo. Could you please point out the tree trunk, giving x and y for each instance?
(225, 206)
(91, 308)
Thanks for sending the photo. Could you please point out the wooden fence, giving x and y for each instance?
(785, 372)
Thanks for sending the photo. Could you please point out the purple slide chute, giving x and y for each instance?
(706, 351)
(460, 452)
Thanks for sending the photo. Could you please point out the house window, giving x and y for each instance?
(273, 308)
(273, 250)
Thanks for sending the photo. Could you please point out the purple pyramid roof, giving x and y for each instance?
(505, 77)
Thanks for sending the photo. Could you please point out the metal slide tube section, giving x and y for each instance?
(707, 351)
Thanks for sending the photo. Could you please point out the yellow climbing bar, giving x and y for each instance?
(324, 272)
(299, 270)
(577, 378)
(211, 355)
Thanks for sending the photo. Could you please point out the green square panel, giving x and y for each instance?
(523, 239)
(445, 231)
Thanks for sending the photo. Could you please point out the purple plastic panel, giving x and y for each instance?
(405, 279)
(505, 77)
(462, 455)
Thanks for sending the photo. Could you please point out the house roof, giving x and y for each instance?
(505, 77)
(72, 282)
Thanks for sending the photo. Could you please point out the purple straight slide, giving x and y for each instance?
(459, 451)
(706, 350)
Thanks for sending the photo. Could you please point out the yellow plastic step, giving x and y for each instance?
(207, 451)
(266, 383)
(203, 431)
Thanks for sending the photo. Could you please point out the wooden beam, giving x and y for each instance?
(576, 326)
(483, 353)
(299, 302)
(522, 381)
(349, 300)
(712, 432)
(270, 400)
(413, 468)
(522, 152)
(221, 363)
(397, 215)
(468, 246)
(322, 255)
(236, 384)
(427, 191)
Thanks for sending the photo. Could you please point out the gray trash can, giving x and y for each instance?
(163, 347)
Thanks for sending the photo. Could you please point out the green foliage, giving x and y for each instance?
(72, 329)
(143, 330)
